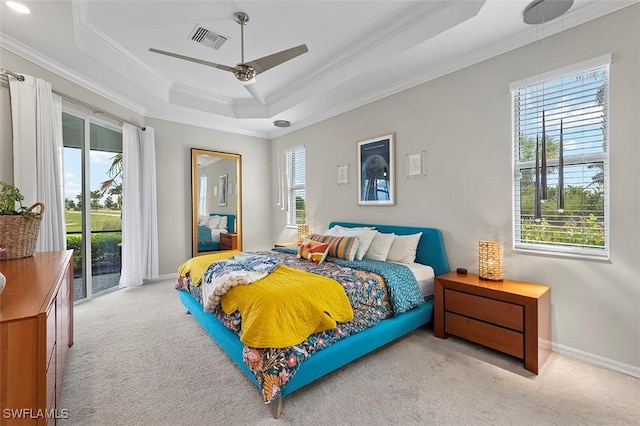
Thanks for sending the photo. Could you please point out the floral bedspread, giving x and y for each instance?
(369, 298)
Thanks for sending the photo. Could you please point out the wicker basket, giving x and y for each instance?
(18, 234)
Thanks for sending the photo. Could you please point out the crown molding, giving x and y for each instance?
(49, 64)
(202, 120)
(592, 11)
(403, 23)
(101, 46)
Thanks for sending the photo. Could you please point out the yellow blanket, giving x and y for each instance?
(286, 307)
(196, 266)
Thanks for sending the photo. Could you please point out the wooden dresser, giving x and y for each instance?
(513, 317)
(36, 330)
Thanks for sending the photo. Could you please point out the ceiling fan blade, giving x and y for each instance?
(265, 63)
(252, 87)
(196, 60)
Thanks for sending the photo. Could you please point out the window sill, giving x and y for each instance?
(604, 258)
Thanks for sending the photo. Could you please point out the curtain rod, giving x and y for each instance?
(5, 73)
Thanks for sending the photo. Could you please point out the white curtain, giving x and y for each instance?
(36, 118)
(139, 218)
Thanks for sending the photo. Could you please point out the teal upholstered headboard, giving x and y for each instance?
(231, 220)
(430, 248)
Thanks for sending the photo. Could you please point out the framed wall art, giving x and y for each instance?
(376, 172)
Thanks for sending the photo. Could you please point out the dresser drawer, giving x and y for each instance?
(51, 330)
(507, 341)
(51, 382)
(494, 311)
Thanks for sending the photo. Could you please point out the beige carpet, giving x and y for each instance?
(139, 359)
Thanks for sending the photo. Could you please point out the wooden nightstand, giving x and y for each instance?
(510, 316)
(228, 241)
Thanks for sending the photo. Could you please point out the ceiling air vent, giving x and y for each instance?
(207, 37)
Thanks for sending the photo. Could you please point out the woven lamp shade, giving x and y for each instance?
(490, 258)
(303, 232)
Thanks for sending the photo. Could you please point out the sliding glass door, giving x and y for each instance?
(93, 201)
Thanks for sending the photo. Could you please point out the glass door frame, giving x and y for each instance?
(88, 119)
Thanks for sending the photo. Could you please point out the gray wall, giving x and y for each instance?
(225, 166)
(463, 122)
(173, 155)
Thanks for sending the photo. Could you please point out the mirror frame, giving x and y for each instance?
(195, 152)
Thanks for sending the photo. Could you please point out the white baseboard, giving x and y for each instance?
(596, 360)
(165, 277)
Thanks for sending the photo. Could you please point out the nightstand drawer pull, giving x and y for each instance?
(494, 311)
(501, 339)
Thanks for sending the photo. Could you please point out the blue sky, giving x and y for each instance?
(100, 161)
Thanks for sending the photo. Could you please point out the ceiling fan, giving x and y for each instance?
(247, 71)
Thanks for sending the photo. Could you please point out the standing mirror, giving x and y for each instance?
(216, 193)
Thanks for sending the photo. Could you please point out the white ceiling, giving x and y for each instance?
(359, 51)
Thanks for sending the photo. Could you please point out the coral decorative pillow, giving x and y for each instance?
(313, 251)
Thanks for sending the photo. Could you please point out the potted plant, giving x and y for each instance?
(19, 225)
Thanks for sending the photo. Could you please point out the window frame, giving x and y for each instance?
(560, 249)
(293, 185)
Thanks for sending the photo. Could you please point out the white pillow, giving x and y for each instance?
(380, 246)
(355, 227)
(202, 219)
(213, 222)
(404, 248)
(223, 222)
(365, 237)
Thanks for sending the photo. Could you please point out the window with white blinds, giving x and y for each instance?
(561, 161)
(296, 193)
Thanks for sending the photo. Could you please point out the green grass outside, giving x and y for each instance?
(101, 220)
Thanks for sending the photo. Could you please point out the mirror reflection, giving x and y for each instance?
(216, 195)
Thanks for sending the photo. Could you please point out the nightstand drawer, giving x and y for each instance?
(228, 241)
(501, 339)
(494, 311)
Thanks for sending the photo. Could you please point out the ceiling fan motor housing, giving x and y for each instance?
(244, 72)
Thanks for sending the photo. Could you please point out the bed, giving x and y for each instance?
(430, 251)
(209, 239)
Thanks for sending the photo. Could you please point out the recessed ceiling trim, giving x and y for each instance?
(49, 64)
(84, 29)
(400, 27)
(203, 94)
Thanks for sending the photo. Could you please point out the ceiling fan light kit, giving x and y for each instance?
(246, 72)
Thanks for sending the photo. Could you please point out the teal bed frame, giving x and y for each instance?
(231, 227)
(430, 252)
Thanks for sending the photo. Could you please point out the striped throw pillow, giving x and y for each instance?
(340, 247)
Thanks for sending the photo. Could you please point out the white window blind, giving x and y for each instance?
(560, 142)
(296, 193)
